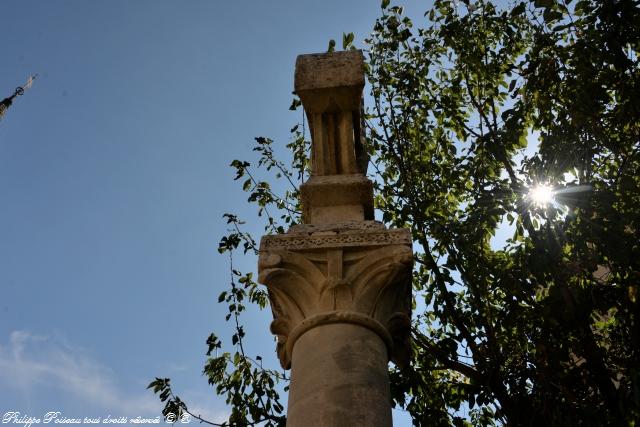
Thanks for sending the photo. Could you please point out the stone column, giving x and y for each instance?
(340, 283)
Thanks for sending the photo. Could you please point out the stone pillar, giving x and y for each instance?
(340, 283)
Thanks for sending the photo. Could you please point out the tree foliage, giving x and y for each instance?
(542, 331)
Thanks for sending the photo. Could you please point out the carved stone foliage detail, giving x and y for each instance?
(340, 277)
(332, 239)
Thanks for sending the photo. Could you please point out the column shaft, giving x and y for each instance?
(339, 378)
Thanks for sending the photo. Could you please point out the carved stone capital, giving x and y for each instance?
(357, 273)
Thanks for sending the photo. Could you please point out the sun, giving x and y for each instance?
(541, 195)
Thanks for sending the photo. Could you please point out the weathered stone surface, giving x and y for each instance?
(330, 88)
(339, 284)
(337, 198)
(328, 71)
(339, 378)
(335, 236)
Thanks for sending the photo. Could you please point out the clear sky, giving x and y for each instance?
(114, 177)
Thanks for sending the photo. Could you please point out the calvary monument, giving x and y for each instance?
(339, 283)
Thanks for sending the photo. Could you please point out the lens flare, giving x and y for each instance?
(541, 195)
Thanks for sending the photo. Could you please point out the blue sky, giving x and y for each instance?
(114, 177)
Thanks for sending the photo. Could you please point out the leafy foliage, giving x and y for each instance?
(543, 331)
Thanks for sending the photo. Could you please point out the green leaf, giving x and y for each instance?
(519, 9)
(332, 46)
(551, 15)
(222, 296)
(544, 3)
(295, 102)
(347, 40)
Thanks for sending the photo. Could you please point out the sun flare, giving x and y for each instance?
(541, 195)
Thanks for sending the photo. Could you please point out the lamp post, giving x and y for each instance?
(6, 103)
